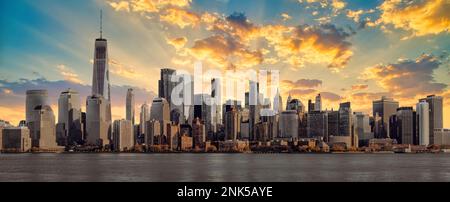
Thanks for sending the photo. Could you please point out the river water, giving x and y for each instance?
(224, 167)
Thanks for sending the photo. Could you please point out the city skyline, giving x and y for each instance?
(407, 74)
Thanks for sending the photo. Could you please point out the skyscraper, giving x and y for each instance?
(122, 135)
(435, 113)
(232, 124)
(362, 128)
(254, 108)
(98, 105)
(173, 133)
(203, 111)
(160, 110)
(297, 105)
(423, 122)
(69, 129)
(383, 108)
(230, 104)
(317, 125)
(198, 133)
(333, 123)
(216, 107)
(42, 128)
(100, 77)
(403, 126)
(98, 126)
(310, 106)
(289, 98)
(318, 104)
(345, 119)
(130, 106)
(244, 135)
(165, 85)
(35, 98)
(278, 102)
(144, 117)
(288, 124)
(152, 132)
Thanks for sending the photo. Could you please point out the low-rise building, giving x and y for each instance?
(381, 143)
(16, 139)
(309, 142)
(442, 136)
(323, 147)
(233, 146)
(347, 140)
(185, 143)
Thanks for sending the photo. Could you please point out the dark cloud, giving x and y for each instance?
(408, 78)
(239, 20)
(328, 38)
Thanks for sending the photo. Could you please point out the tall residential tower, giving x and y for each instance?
(435, 114)
(130, 105)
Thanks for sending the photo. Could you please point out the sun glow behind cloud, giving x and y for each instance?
(326, 40)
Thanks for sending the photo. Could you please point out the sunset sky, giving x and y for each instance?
(352, 51)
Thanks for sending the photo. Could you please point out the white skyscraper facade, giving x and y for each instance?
(35, 98)
(69, 127)
(98, 127)
(422, 109)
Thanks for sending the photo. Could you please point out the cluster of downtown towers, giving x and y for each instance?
(165, 123)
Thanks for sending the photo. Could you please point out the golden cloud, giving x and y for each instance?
(354, 15)
(224, 51)
(247, 58)
(360, 87)
(121, 5)
(313, 44)
(214, 49)
(68, 74)
(238, 26)
(233, 39)
(420, 17)
(178, 43)
(285, 16)
(150, 6)
(338, 4)
(180, 17)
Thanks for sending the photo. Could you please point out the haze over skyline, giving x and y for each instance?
(347, 51)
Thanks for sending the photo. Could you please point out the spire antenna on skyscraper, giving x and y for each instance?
(101, 23)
